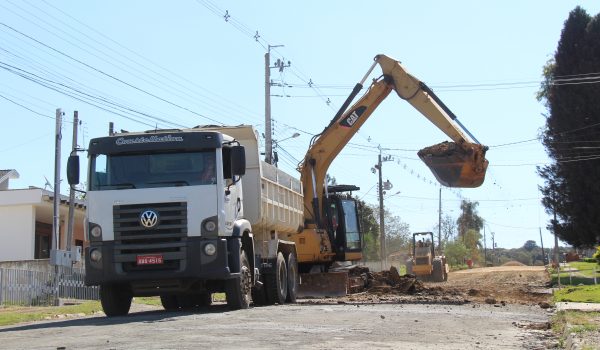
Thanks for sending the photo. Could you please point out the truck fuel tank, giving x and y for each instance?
(456, 164)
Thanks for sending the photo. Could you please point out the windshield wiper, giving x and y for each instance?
(174, 183)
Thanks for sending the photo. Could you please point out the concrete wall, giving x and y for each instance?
(42, 265)
(17, 225)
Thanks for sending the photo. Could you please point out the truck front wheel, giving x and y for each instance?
(238, 290)
(115, 299)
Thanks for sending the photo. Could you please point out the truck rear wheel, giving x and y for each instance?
(438, 271)
(238, 289)
(115, 299)
(293, 278)
(277, 284)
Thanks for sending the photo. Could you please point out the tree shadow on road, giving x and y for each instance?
(101, 320)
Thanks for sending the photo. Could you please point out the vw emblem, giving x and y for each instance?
(149, 218)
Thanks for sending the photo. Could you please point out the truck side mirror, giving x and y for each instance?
(73, 170)
(238, 160)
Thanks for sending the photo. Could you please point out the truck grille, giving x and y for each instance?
(167, 238)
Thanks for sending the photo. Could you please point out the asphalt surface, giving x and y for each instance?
(298, 326)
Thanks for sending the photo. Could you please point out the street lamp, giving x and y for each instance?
(276, 143)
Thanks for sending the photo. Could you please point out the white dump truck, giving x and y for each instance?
(185, 213)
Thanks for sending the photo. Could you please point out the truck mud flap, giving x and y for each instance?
(456, 165)
(323, 285)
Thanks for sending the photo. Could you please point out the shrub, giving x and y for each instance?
(597, 255)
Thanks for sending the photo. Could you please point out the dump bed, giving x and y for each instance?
(272, 199)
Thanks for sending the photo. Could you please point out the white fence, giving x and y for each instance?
(32, 288)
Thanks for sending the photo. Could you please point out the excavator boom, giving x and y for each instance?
(460, 163)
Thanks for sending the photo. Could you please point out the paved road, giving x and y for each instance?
(300, 326)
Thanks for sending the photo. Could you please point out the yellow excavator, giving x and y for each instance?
(331, 231)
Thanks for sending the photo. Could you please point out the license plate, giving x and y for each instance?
(150, 259)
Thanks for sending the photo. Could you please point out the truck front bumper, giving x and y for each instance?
(184, 267)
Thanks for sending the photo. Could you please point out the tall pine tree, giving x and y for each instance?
(572, 94)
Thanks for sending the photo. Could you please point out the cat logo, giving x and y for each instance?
(350, 120)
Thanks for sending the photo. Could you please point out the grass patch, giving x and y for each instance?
(577, 321)
(578, 294)
(154, 301)
(585, 268)
(17, 314)
(565, 279)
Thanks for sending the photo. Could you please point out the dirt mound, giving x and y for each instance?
(382, 282)
(505, 284)
(513, 263)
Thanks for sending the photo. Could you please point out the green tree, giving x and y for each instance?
(456, 252)
(397, 233)
(449, 229)
(469, 218)
(369, 225)
(472, 240)
(530, 245)
(571, 189)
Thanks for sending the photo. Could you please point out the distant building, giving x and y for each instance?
(26, 217)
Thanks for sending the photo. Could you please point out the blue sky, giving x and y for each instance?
(182, 63)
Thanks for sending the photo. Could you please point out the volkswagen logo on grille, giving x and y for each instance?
(149, 218)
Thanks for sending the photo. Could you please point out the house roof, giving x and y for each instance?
(8, 174)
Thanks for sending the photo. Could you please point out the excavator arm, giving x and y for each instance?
(460, 163)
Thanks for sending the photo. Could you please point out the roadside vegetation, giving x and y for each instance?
(578, 294)
(155, 301)
(16, 314)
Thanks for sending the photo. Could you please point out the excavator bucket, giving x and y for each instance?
(323, 285)
(456, 165)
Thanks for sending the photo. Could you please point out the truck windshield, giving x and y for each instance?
(351, 221)
(115, 172)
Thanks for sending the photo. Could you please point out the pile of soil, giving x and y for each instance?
(363, 280)
(514, 263)
(495, 285)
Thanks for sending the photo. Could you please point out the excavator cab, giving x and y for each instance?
(341, 215)
(456, 164)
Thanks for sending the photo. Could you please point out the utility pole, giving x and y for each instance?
(543, 252)
(381, 215)
(440, 224)
(268, 129)
(381, 187)
(71, 224)
(55, 253)
(556, 253)
(484, 247)
(56, 209)
(493, 249)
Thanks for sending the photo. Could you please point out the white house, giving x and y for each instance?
(26, 217)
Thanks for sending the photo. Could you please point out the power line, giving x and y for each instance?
(178, 90)
(25, 107)
(109, 75)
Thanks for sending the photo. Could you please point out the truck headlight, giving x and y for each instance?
(210, 226)
(210, 249)
(96, 231)
(95, 255)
